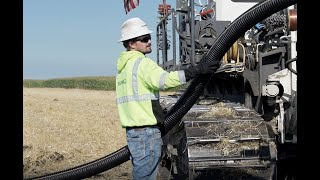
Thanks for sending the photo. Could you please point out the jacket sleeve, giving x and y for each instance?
(157, 78)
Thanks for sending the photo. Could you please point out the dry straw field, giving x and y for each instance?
(64, 128)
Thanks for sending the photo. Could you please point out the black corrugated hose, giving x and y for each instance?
(220, 46)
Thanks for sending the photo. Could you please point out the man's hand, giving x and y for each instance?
(201, 68)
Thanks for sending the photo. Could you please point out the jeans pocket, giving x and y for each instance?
(136, 146)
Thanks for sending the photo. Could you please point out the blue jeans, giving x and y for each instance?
(145, 149)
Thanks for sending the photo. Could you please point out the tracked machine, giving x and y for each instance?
(244, 123)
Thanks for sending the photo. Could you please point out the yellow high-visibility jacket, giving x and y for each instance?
(138, 83)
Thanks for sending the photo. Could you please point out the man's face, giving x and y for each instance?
(142, 44)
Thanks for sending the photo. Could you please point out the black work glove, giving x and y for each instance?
(201, 68)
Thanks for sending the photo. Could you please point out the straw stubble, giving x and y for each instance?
(64, 128)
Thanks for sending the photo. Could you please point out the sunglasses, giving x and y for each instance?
(143, 38)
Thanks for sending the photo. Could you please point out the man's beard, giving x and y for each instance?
(148, 51)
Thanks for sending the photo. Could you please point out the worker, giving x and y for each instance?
(138, 82)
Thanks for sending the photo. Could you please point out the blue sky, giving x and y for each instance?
(73, 38)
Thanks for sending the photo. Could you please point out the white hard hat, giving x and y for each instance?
(133, 27)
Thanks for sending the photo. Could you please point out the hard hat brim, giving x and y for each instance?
(137, 35)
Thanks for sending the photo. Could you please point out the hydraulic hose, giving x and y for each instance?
(220, 46)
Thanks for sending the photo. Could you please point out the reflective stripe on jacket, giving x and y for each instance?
(138, 83)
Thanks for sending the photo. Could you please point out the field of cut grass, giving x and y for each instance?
(65, 128)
